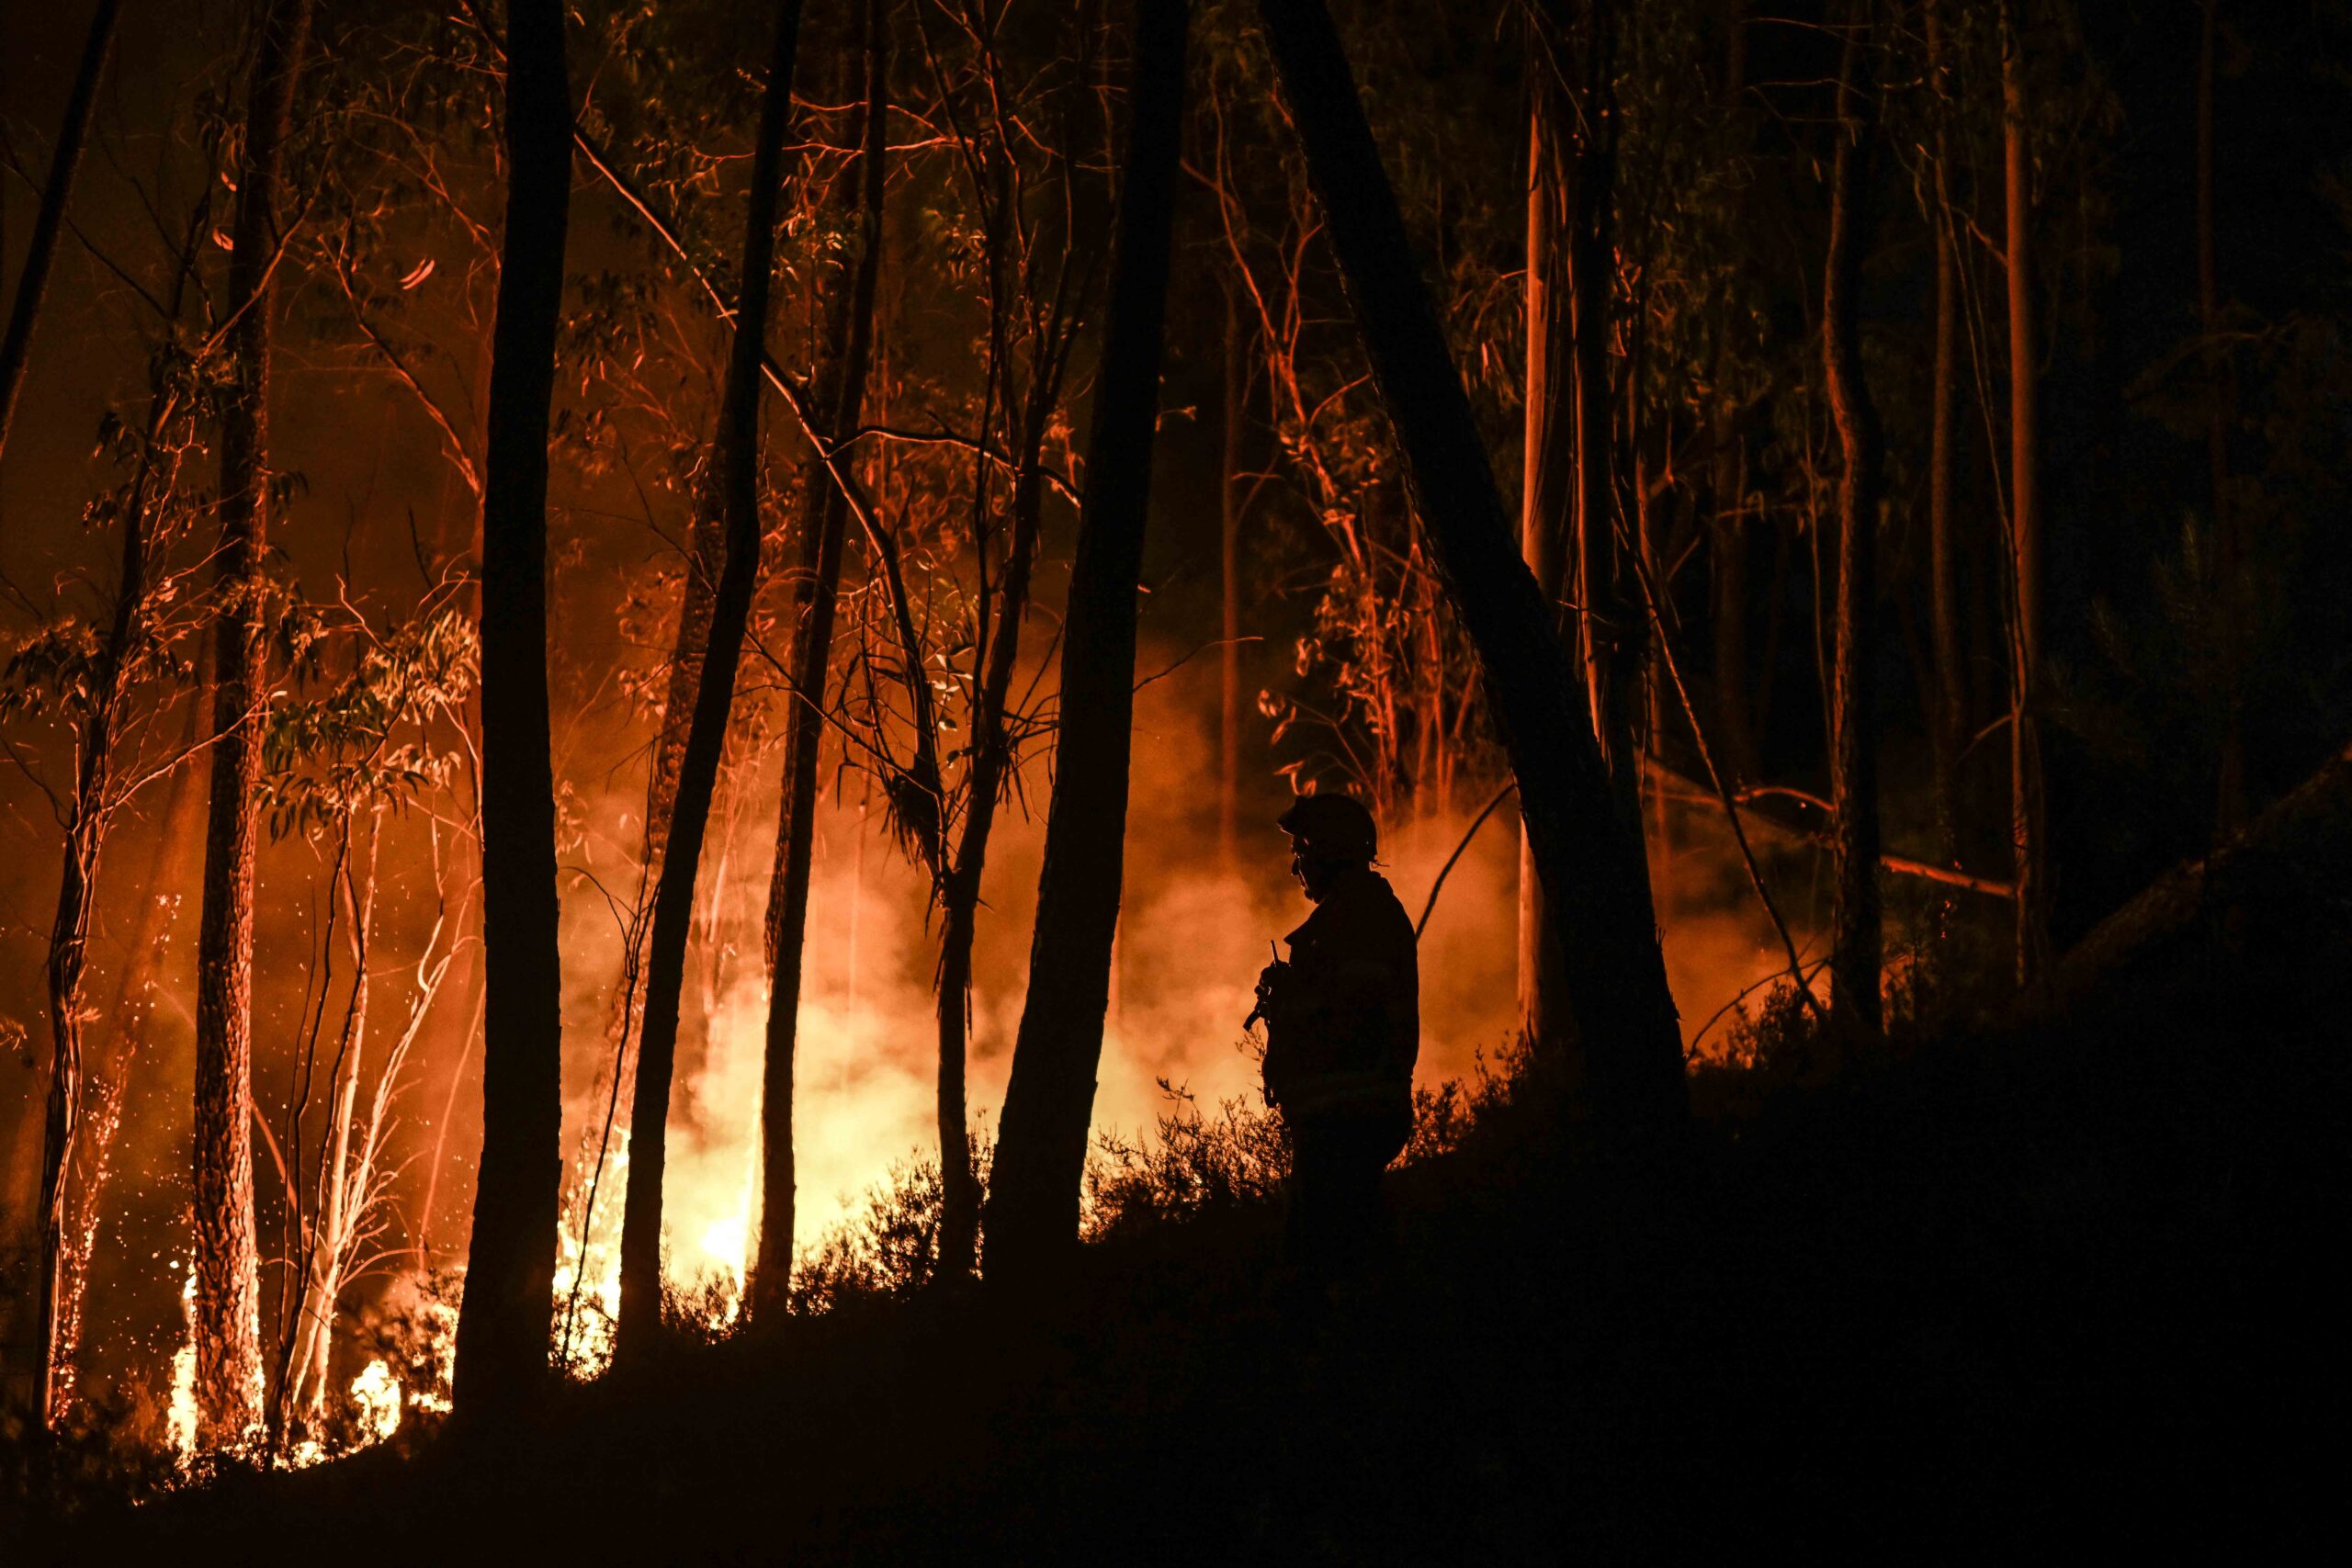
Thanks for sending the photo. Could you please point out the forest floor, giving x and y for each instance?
(2067, 1285)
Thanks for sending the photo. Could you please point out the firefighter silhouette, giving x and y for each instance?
(1343, 1030)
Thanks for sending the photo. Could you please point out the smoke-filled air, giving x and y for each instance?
(1424, 780)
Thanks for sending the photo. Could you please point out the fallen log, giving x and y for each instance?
(2300, 836)
(1672, 785)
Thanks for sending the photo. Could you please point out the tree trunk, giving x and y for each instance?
(2229, 805)
(1607, 629)
(69, 951)
(2026, 833)
(228, 1291)
(2294, 850)
(674, 899)
(1587, 855)
(331, 1244)
(1948, 721)
(1228, 493)
(1033, 1211)
(824, 527)
(959, 1222)
(502, 1325)
(1727, 546)
(1858, 942)
(32, 282)
(1547, 492)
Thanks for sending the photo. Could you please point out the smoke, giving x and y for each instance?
(1193, 931)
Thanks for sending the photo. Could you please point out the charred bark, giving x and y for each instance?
(1857, 955)
(502, 1328)
(824, 530)
(228, 1291)
(1033, 1209)
(32, 282)
(640, 1311)
(1588, 854)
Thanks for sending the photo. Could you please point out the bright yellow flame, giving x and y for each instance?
(180, 1423)
(375, 1403)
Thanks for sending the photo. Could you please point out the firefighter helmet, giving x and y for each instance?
(1331, 827)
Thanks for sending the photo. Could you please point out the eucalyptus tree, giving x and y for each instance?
(49, 220)
(1858, 942)
(1588, 856)
(502, 1328)
(823, 536)
(107, 676)
(377, 743)
(640, 1304)
(1048, 1105)
(229, 1378)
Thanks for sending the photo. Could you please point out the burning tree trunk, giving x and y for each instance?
(1856, 955)
(2026, 833)
(1548, 496)
(1588, 854)
(509, 1277)
(228, 1291)
(640, 1309)
(32, 282)
(824, 526)
(1041, 1147)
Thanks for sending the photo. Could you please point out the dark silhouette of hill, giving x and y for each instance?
(2032, 1288)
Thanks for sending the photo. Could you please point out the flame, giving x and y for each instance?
(180, 1421)
(588, 1264)
(375, 1403)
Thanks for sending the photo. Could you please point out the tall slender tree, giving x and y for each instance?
(503, 1324)
(32, 280)
(1049, 1102)
(1587, 852)
(2229, 805)
(824, 527)
(1548, 488)
(1727, 550)
(100, 718)
(1856, 940)
(227, 1265)
(2026, 821)
(1610, 630)
(1232, 424)
(1948, 721)
(674, 899)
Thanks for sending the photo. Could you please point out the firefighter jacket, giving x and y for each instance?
(1343, 1017)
